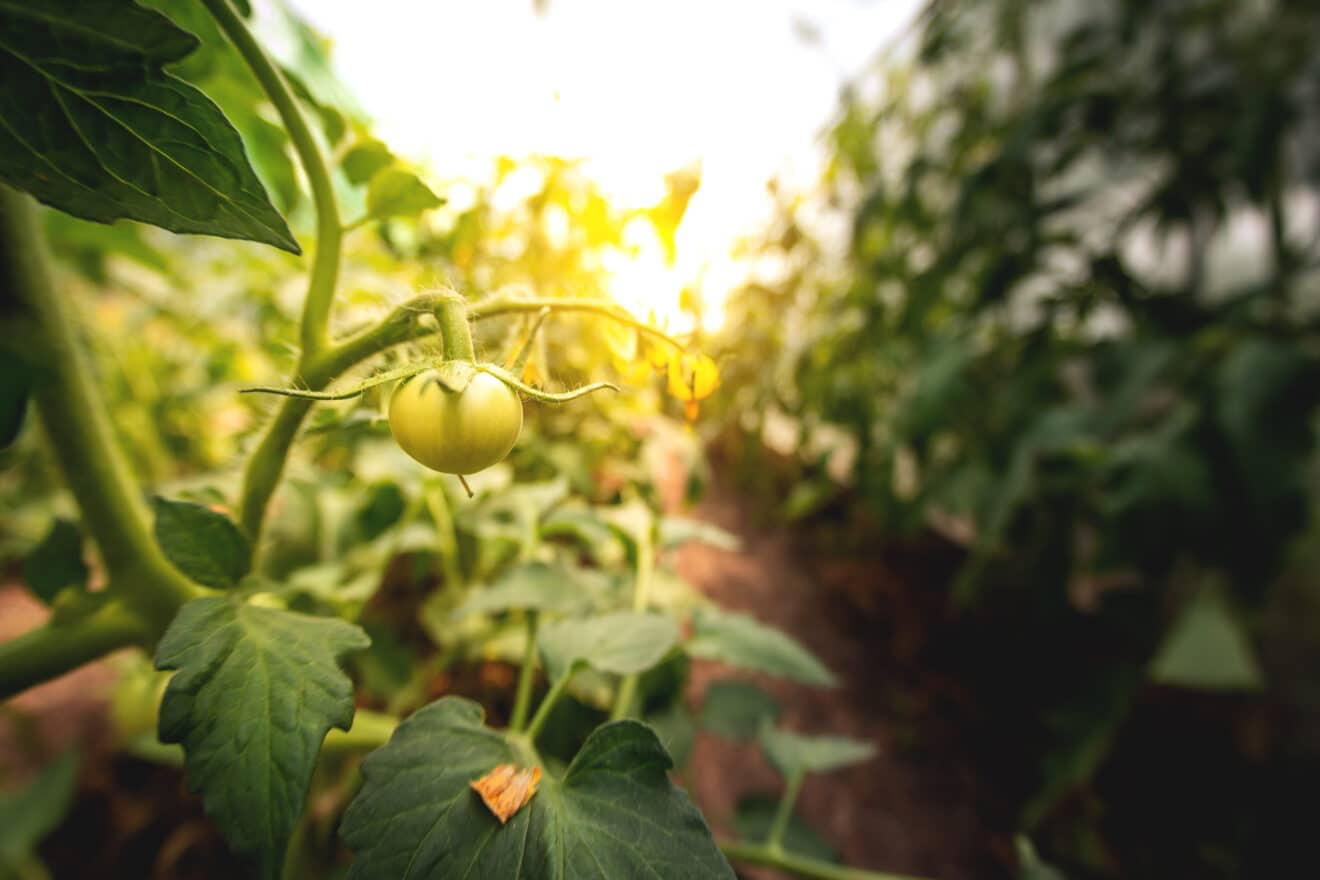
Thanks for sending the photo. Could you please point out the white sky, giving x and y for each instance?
(637, 87)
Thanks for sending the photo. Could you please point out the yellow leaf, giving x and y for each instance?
(693, 377)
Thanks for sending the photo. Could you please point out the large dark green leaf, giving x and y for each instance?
(205, 545)
(256, 691)
(613, 815)
(92, 124)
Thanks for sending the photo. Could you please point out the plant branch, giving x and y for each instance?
(623, 697)
(57, 647)
(784, 812)
(511, 305)
(329, 231)
(547, 703)
(760, 854)
(41, 323)
(526, 677)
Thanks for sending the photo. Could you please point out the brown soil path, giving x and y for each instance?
(910, 810)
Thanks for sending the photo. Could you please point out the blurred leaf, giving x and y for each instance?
(1030, 865)
(130, 140)
(1207, 650)
(693, 377)
(529, 586)
(398, 192)
(364, 159)
(57, 562)
(742, 641)
(676, 730)
(676, 531)
(737, 710)
(792, 752)
(205, 545)
(623, 642)
(588, 528)
(755, 815)
(416, 815)
(256, 691)
(28, 815)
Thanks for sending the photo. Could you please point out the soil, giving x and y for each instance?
(914, 808)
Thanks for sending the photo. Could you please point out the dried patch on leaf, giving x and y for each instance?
(506, 789)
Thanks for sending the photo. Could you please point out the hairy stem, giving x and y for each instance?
(59, 646)
(522, 701)
(760, 854)
(329, 230)
(451, 313)
(370, 730)
(41, 323)
(501, 305)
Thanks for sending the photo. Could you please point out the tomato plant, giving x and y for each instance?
(279, 656)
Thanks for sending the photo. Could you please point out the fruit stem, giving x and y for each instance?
(455, 336)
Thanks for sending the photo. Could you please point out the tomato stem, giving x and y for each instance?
(329, 230)
(548, 703)
(51, 650)
(802, 866)
(456, 337)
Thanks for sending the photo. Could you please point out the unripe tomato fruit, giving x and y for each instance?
(455, 432)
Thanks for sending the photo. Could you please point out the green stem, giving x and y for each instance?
(774, 840)
(522, 700)
(507, 305)
(547, 703)
(760, 854)
(452, 314)
(329, 231)
(265, 465)
(41, 323)
(623, 698)
(53, 649)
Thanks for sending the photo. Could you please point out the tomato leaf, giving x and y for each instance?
(737, 709)
(91, 123)
(28, 815)
(256, 691)
(742, 641)
(792, 753)
(397, 192)
(613, 814)
(205, 545)
(530, 586)
(625, 642)
(56, 562)
(364, 159)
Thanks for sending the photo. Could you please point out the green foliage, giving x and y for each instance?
(205, 545)
(742, 641)
(15, 379)
(398, 192)
(614, 812)
(623, 642)
(737, 709)
(792, 753)
(1207, 650)
(256, 690)
(57, 562)
(755, 816)
(530, 586)
(28, 815)
(88, 99)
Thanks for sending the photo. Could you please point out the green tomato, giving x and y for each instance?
(455, 432)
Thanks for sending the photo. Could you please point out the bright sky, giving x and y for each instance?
(636, 87)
